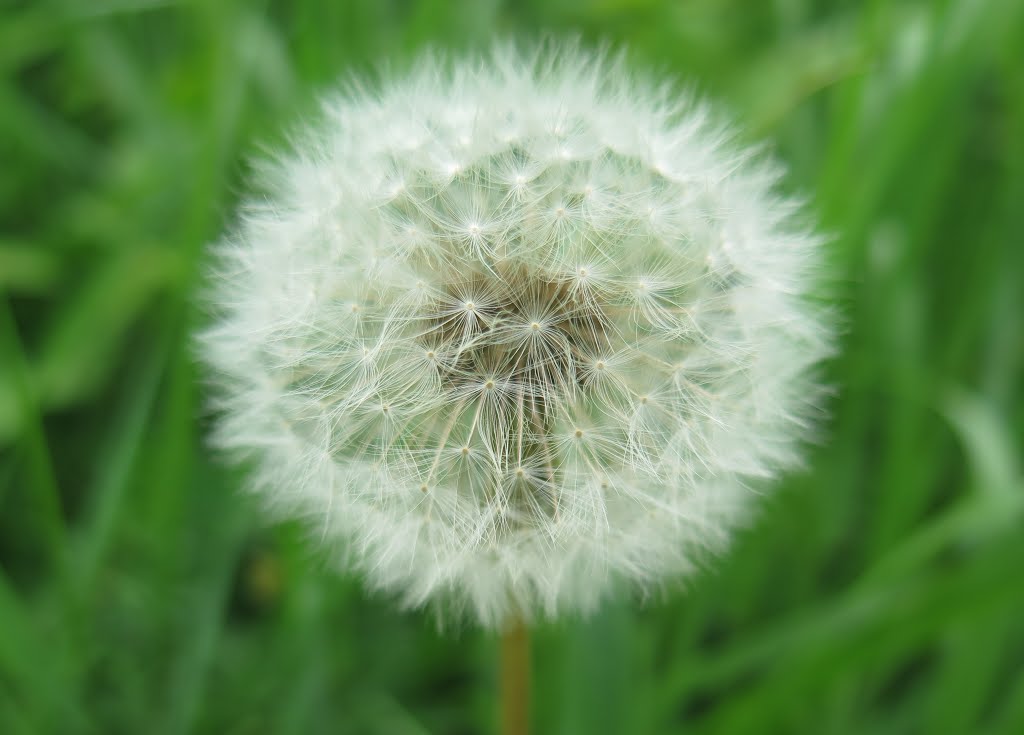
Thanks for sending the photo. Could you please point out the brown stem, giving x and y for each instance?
(515, 680)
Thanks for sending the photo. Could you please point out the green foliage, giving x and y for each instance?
(881, 590)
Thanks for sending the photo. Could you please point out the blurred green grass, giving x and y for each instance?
(882, 590)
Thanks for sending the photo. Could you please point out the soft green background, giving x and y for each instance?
(881, 592)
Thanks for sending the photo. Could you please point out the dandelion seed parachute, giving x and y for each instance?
(513, 328)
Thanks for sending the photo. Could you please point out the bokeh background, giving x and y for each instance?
(882, 590)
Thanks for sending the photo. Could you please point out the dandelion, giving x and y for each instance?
(512, 330)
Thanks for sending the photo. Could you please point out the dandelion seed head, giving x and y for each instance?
(511, 330)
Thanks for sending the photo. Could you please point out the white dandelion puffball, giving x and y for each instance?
(510, 330)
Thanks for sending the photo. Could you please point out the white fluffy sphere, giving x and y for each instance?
(512, 328)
